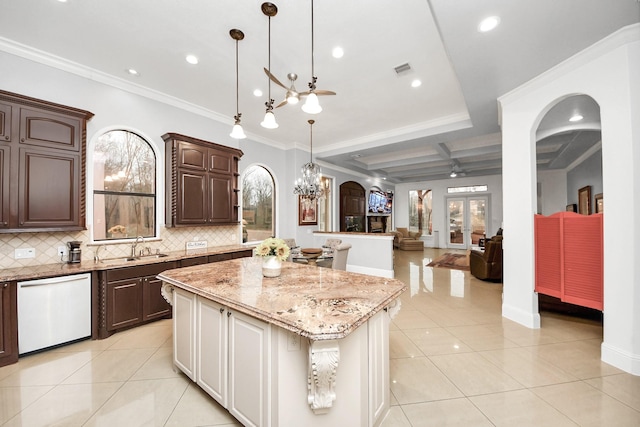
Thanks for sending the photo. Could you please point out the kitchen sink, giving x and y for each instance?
(138, 258)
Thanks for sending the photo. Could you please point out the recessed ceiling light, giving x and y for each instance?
(133, 72)
(62, 1)
(576, 118)
(416, 83)
(257, 93)
(337, 52)
(192, 59)
(488, 24)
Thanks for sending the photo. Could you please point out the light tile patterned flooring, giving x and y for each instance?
(454, 361)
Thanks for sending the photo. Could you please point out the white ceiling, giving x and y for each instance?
(377, 124)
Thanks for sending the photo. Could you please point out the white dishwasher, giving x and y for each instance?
(53, 311)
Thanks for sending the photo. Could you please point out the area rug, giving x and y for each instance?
(449, 260)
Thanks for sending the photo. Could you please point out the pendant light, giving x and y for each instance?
(269, 121)
(309, 186)
(312, 105)
(237, 132)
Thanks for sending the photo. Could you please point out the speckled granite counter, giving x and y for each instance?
(63, 269)
(318, 303)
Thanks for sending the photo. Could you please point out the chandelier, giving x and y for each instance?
(309, 186)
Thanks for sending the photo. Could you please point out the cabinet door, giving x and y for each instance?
(48, 189)
(8, 323)
(5, 122)
(212, 353)
(220, 198)
(184, 332)
(154, 306)
(124, 303)
(249, 360)
(191, 156)
(219, 161)
(51, 130)
(378, 331)
(5, 162)
(192, 194)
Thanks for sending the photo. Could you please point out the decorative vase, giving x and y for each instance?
(271, 266)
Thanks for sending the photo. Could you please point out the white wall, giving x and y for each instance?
(439, 205)
(608, 72)
(553, 188)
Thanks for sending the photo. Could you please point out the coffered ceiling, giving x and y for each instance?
(377, 124)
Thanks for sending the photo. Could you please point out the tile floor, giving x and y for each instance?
(454, 361)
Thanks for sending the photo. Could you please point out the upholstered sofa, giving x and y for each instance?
(407, 240)
(487, 264)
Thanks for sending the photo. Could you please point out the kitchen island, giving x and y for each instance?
(310, 347)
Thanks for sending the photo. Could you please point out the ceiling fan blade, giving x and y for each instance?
(273, 78)
(284, 102)
(318, 92)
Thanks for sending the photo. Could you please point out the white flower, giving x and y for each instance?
(273, 247)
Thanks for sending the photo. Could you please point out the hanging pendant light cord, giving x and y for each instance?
(311, 122)
(313, 75)
(269, 101)
(237, 86)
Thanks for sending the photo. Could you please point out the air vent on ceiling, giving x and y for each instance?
(403, 69)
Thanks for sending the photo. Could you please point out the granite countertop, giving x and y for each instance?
(357, 233)
(318, 303)
(63, 268)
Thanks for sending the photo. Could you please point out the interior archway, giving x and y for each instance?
(568, 167)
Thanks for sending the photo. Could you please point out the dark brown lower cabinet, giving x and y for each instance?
(8, 323)
(131, 296)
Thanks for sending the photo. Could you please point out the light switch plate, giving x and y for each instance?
(25, 253)
(202, 244)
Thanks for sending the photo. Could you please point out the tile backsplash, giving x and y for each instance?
(46, 244)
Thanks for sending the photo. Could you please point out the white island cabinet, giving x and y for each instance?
(310, 347)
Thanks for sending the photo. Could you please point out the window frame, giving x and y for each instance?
(273, 201)
(156, 196)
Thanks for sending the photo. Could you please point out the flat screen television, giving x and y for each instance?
(380, 203)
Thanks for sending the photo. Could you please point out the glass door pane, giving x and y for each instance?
(478, 215)
(456, 221)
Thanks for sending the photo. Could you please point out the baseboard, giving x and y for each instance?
(530, 320)
(371, 271)
(621, 359)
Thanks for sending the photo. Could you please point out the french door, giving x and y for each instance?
(467, 219)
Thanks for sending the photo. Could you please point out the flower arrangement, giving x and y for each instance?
(273, 247)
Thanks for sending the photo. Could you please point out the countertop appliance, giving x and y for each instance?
(53, 311)
(75, 253)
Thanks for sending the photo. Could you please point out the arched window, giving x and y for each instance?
(258, 211)
(124, 187)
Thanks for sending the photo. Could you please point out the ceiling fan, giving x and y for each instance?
(293, 96)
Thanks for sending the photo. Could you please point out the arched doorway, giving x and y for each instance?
(352, 207)
(569, 178)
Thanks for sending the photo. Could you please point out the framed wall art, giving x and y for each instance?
(599, 208)
(307, 211)
(584, 200)
(572, 207)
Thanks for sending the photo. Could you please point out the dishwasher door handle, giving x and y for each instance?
(50, 281)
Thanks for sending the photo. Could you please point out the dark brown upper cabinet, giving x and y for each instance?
(201, 182)
(42, 165)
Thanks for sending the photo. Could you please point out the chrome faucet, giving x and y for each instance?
(96, 254)
(139, 239)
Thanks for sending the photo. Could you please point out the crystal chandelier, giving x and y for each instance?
(309, 186)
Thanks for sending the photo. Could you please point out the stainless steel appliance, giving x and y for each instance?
(53, 311)
(75, 253)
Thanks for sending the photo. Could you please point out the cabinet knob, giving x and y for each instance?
(21, 139)
(228, 314)
(4, 285)
(221, 310)
(6, 137)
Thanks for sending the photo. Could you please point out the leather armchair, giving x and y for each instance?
(487, 264)
(407, 240)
